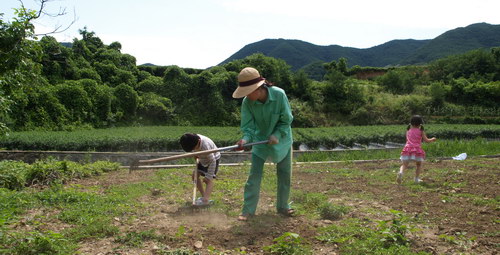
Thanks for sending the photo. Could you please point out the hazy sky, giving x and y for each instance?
(203, 33)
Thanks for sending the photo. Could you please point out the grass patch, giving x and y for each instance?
(136, 239)
(89, 214)
(63, 216)
(441, 148)
(316, 205)
(354, 236)
(37, 242)
(289, 243)
(330, 211)
(16, 175)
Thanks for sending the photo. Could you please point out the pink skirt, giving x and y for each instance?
(412, 154)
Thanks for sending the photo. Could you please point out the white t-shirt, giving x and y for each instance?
(208, 160)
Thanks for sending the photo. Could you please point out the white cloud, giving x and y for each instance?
(170, 50)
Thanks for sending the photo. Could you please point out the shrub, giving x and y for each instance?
(13, 174)
(46, 172)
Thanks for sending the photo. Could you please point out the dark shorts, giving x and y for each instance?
(202, 170)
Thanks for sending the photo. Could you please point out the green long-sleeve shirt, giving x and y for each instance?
(261, 120)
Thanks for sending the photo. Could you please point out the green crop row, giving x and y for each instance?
(165, 138)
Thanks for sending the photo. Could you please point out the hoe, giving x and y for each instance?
(136, 164)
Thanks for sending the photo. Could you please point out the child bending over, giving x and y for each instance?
(207, 165)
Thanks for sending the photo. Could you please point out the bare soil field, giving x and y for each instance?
(454, 211)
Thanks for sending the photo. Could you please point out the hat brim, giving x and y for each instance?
(244, 91)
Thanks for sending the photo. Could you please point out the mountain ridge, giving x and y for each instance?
(299, 54)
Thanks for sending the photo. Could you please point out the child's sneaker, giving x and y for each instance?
(417, 180)
(399, 178)
(200, 201)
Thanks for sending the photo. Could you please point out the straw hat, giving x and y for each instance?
(249, 80)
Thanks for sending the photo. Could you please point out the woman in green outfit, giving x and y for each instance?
(265, 115)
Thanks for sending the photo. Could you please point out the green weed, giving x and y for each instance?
(354, 236)
(181, 251)
(181, 231)
(95, 228)
(330, 211)
(308, 203)
(288, 244)
(485, 201)
(135, 239)
(35, 243)
(394, 231)
(459, 238)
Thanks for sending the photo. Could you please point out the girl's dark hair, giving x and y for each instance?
(188, 141)
(416, 120)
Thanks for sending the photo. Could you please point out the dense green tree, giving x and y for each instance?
(154, 109)
(80, 50)
(115, 46)
(100, 99)
(126, 102)
(315, 70)
(45, 110)
(496, 56)
(75, 99)
(300, 86)
(227, 83)
(334, 91)
(470, 93)
(398, 81)
(213, 109)
(15, 43)
(204, 104)
(19, 54)
(56, 61)
(476, 65)
(177, 85)
(274, 70)
(158, 71)
(88, 73)
(152, 84)
(92, 42)
(142, 75)
(112, 75)
(340, 66)
(340, 94)
(438, 91)
(46, 85)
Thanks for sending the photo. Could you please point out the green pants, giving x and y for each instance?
(252, 186)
